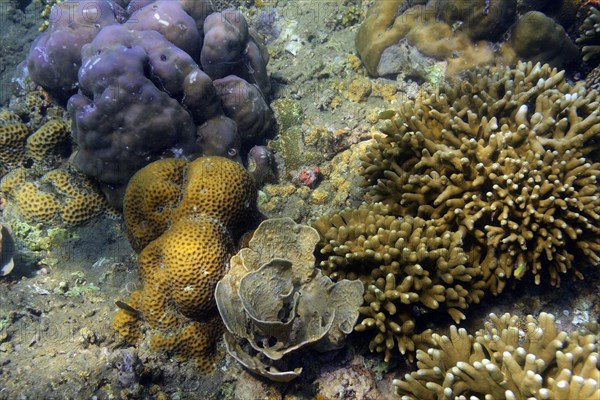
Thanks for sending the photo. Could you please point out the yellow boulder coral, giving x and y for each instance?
(185, 218)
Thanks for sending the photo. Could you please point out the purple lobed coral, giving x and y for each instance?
(141, 93)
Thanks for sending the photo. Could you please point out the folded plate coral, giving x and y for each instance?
(509, 359)
(275, 303)
(508, 157)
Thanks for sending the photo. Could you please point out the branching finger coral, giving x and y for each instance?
(409, 268)
(502, 361)
(508, 158)
(590, 35)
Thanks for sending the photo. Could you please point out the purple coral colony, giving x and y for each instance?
(153, 80)
(404, 206)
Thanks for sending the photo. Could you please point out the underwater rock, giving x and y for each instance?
(274, 301)
(538, 38)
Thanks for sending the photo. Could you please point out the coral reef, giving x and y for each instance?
(38, 180)
(275, 303)
(145, 122)
(244, 103)
(230, 49)
(184, 219)
(508, 157)
(405, 264)
(55, 56)
(13, 141)
(507, 359)
(398, 26)
(50, 142)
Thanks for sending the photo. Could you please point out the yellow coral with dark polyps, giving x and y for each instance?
(508, 158)
(13, 139)
(61, 194)
(50, 139)
(184, 218)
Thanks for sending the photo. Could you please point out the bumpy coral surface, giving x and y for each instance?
(406, 264)
(528, 40)
(508, 158)
(184, 218)
(62, 194)
(13, 140)
(505, 361)
(55, 56)
(51, 140)
(144, 81)
(275, 302)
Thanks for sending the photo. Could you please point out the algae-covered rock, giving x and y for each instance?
(274, 301)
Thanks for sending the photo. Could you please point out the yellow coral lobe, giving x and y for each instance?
(181, 217)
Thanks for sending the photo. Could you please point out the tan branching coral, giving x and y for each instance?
(503, 361)
(508, 158)
(274, 301)
(409, 267)
(590, 35)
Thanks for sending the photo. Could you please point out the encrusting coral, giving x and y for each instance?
(61, 194)
(275, 303)
(508, 158)
(184, 218)
(503, 361)
(405, 264)
(37, 177)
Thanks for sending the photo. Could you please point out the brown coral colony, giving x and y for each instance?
(491, 179)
